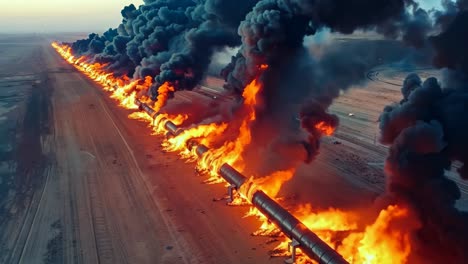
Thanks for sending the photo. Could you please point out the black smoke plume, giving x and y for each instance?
(170, 40)
(444, 17)
(174, 41)
(427, 133)
(274, 28)
(273, 34)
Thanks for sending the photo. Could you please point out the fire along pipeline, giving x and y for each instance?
(375, 244)
(272, 33)
(300, 235)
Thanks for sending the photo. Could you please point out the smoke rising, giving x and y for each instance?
(450, 47)
(427, 133)
(174, 41)
(170, 40)
(297, 85)
(274, 27)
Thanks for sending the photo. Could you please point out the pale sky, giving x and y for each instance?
(428, 4)
(61, 15)
(73, 16)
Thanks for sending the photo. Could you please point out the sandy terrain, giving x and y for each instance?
(24, 125)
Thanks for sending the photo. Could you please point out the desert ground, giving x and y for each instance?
(82, 183)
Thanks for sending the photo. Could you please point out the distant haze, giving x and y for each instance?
(18, 16)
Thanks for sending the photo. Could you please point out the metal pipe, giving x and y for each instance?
(169, 125)
(138, 103)
(231, 175)
(201, 150)
(172, 128)
(227, 172)
(144, 107)
(308, 241)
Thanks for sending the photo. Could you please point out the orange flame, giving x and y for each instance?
(142, 116)
(231, 152)
(270, 184)
(160, 121)
(163, 95)
(122, 90)
(179, 142)
(325, 128)
(380, 243)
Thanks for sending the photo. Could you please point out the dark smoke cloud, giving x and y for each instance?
(159, 34)
(411, 82)
(170, 40)
(217, 21)
(299, 91)
(428, 132)
(312, 114)
(273, 33)
(94, 43)
(451, 8)
(413, 25)
(276, 27)
(451, 45)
